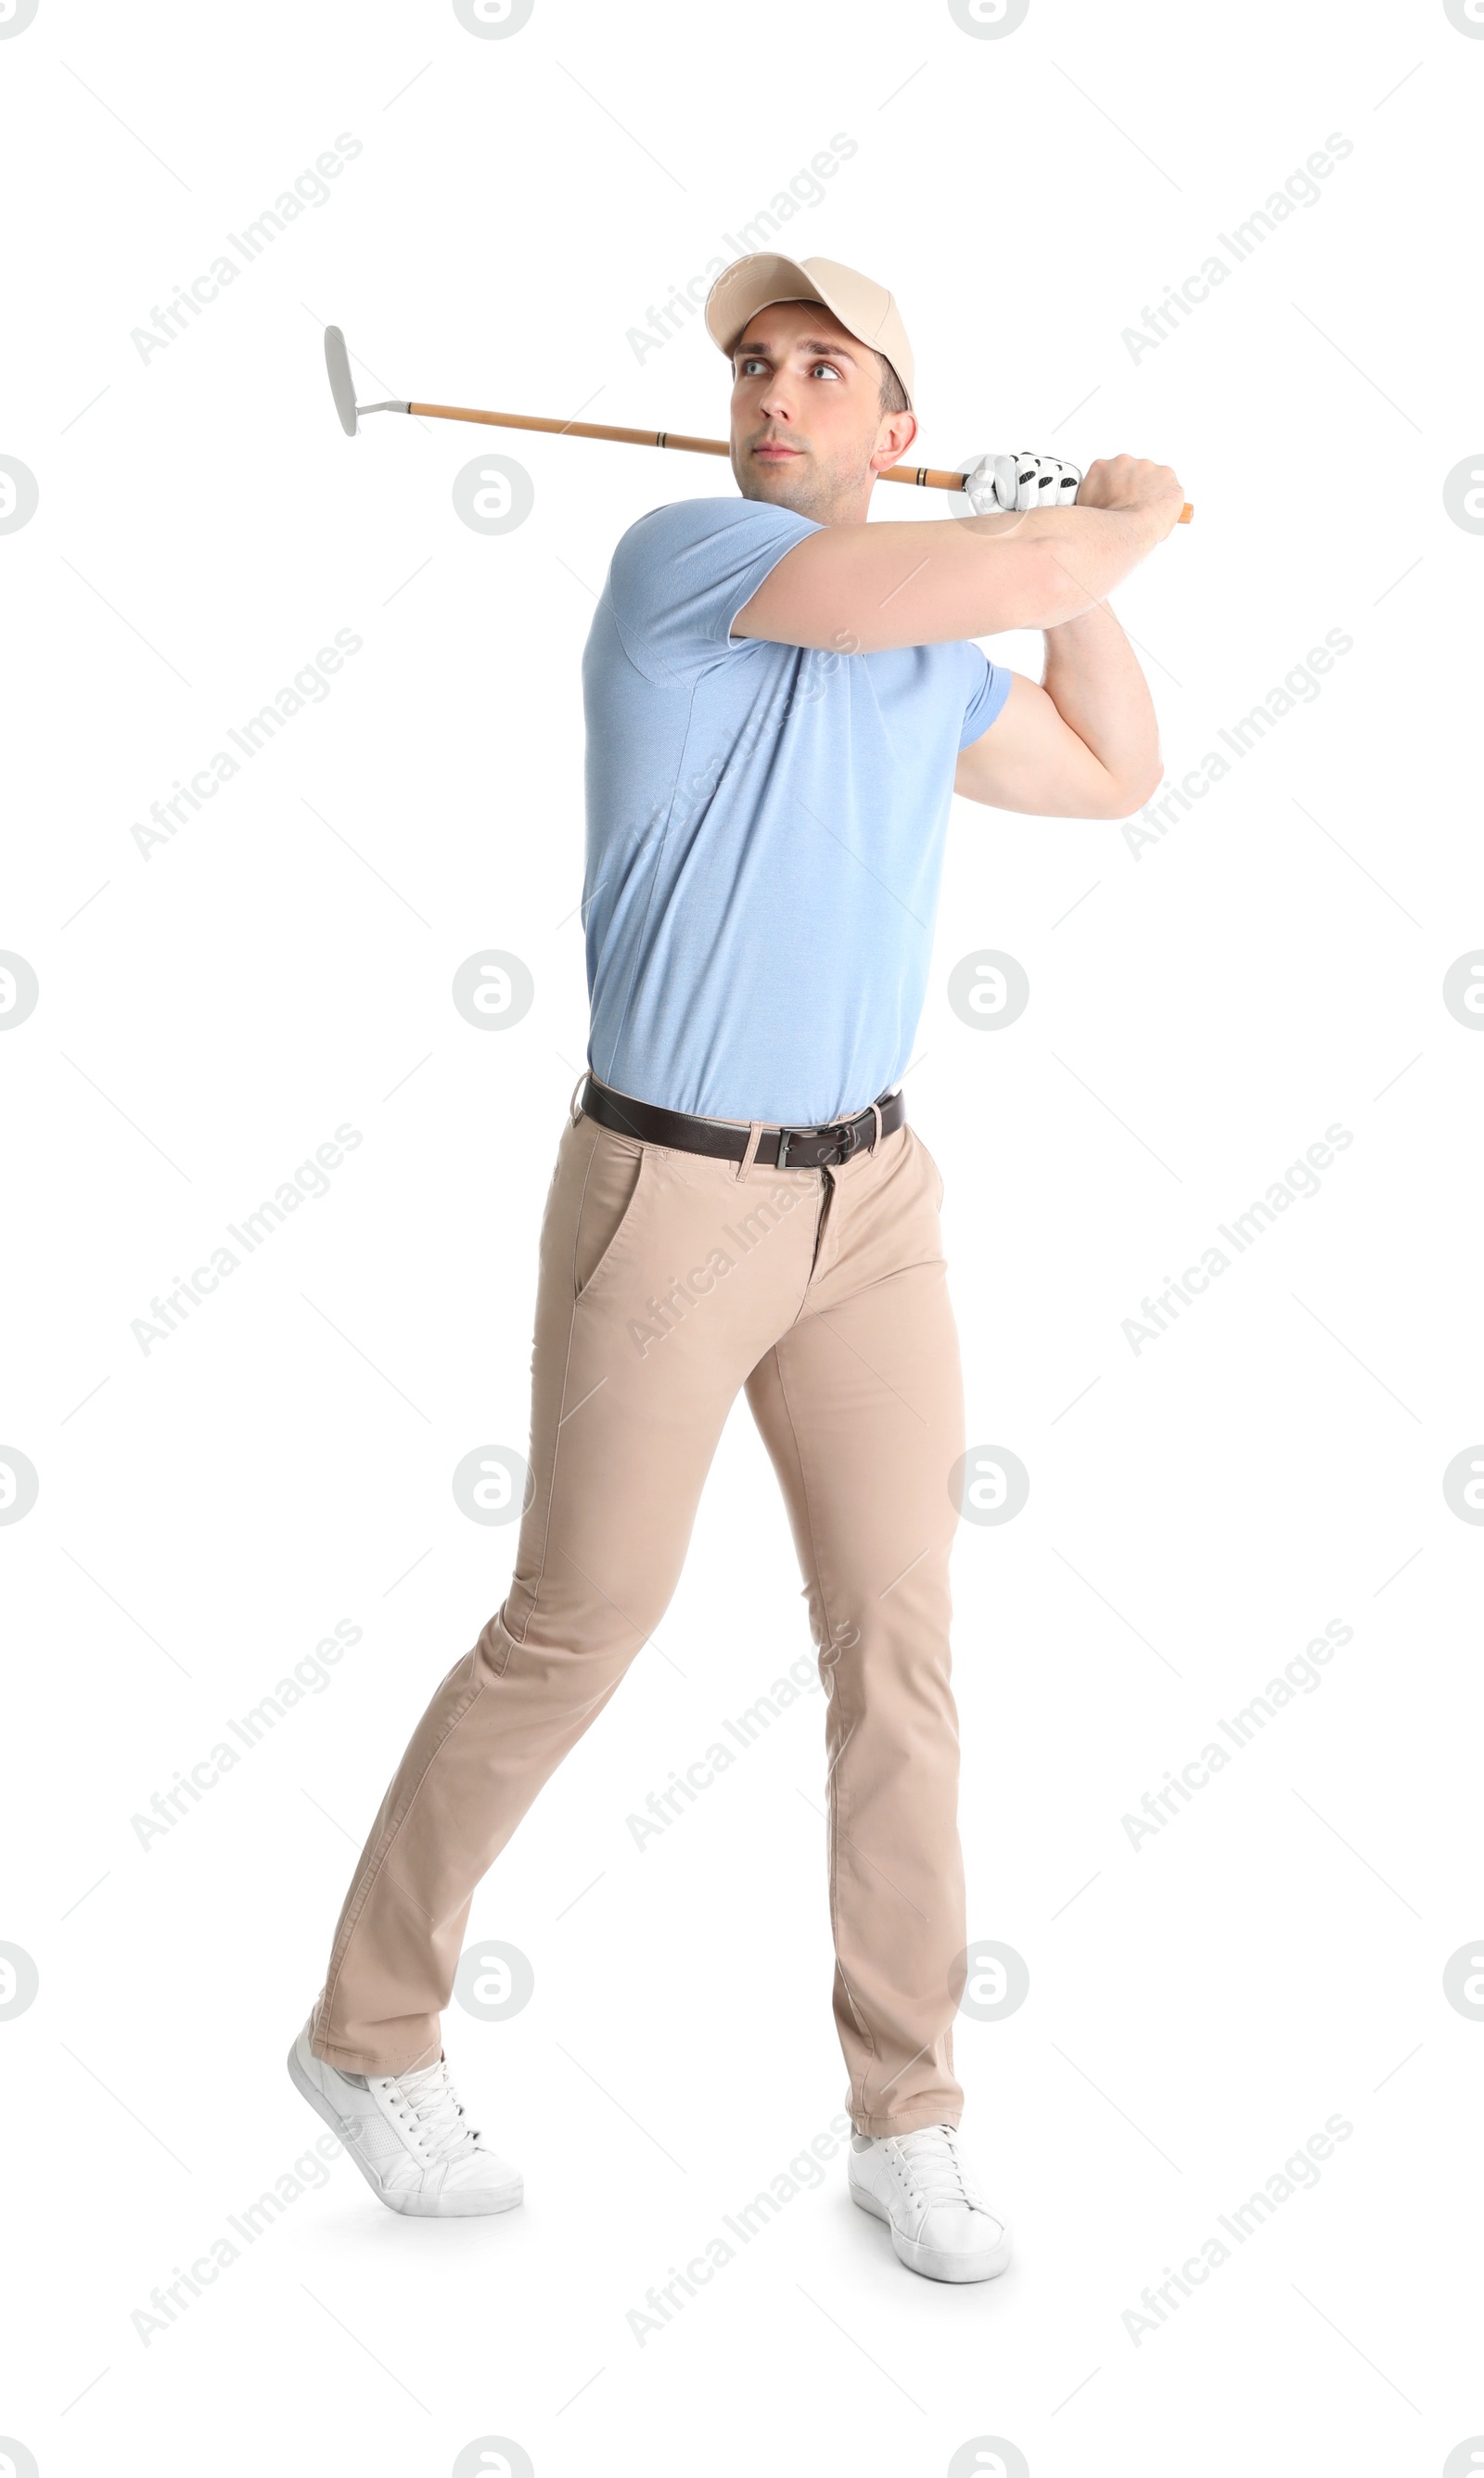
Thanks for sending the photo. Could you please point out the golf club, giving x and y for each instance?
(929, 477)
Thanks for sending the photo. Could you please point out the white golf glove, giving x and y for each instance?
(1017, 482)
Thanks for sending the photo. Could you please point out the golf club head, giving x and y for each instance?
(338, 364)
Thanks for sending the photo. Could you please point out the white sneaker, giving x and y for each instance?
(924, 2188)
(409, 2136)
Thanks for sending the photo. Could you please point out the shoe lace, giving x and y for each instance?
(931, 2156)
(429, 2099)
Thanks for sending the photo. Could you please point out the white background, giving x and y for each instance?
(1200, 1014)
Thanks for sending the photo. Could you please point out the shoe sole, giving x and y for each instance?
(465, 2203)
(927, 2260)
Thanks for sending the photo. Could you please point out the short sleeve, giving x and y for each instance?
(989, 689)
(681, 575)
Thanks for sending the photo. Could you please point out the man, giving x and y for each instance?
(780, 699)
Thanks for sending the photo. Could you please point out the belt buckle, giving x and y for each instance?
(843, 1132)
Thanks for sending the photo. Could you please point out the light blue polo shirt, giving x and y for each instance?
(766, 828)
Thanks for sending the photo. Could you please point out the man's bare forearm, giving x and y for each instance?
(1085, 552)
(1093, 680)
(861, 588)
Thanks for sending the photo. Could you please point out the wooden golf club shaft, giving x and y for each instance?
(929, 477)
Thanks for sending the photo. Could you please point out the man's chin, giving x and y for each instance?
(792, 484)
(768, 477)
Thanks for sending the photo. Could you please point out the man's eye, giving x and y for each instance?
(825, 366)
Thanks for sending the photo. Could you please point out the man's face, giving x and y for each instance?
(808, 431)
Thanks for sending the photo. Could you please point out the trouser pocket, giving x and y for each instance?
(615, 1173)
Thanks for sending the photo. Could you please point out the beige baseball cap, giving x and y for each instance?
(866, 309)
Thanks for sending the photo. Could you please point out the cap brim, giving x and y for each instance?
(752, 283)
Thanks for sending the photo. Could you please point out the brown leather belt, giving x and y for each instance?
(778, 1148)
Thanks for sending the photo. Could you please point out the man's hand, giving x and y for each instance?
(1130, 484)
(1016, 483)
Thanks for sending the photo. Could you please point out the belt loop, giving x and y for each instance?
(572, 1111)
(875, 1111)
(755, 1127)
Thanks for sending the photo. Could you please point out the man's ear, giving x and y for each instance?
(893, 441)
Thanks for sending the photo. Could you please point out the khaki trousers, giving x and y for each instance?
(668, 1281)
